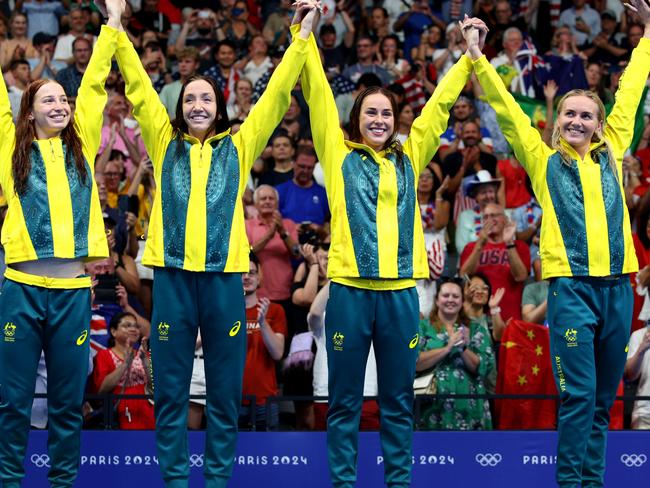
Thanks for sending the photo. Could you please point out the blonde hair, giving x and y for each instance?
(598, 136)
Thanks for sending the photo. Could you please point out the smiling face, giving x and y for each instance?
(471, 134)
(127, 331)
(226, 56)
(376, 121)
(50, 111)
(449, 300)
(578, 119)
(78, 20)
(18, 26)
(199, 108)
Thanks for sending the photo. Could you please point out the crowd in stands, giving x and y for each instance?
(480, 218)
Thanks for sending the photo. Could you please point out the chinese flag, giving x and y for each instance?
(525, 368)
(616, 412)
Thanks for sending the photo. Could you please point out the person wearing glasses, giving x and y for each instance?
(504, 260)
(266, 331)
(366, 52)
(123, 369)
(586, 245)
(459, 352)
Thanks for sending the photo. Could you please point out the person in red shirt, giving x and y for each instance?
(124, 370)
(499, 256)
(266, 330)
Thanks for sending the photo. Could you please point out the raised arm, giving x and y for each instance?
(619, 129)
(329, 141)
(267, 113)
(91, 98)
(147, 107)
(424, 139)
(7, 141)
(524, 139)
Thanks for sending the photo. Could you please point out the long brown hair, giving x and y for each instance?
(26, 133)
(179, 124)
(462, 318)
(221, 122)
(355, 117)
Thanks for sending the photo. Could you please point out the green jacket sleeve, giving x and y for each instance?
(267, 113)
(525, 140)
(424, 139)
(329, 141)
(147, 107)
(91, 98)
(619, 129)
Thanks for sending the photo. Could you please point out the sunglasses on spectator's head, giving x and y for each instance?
(456, 280)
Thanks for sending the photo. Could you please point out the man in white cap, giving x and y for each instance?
(482, 187)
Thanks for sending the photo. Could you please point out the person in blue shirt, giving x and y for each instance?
(301, 198)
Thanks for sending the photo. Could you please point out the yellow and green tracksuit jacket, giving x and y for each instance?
(58, 216)
(197, 219)
(377, 238)
(585, 226)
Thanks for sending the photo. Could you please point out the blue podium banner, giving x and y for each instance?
(500, 459)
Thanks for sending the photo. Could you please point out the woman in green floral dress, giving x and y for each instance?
(460, 354)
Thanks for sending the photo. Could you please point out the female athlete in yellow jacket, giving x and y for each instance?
(198, 247)
(377, 253)
(586, 245)
(53, 224)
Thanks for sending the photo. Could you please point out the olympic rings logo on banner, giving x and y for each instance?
(634, 460)
(40, 460)
(196, 460)
(488, 459)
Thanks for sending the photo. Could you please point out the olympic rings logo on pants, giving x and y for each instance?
(196, 460)
(40, 460)
(488, 459)
(633, 460)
